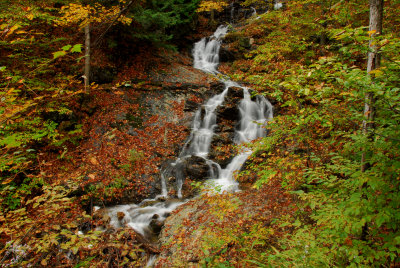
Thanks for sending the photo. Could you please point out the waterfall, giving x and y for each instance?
(206, 51)
(278, 5)
(232, 18)
(254, 11)
(253, 116)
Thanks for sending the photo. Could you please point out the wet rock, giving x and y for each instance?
(148, 203)
(190, 105)
(228, 113)
(120, 216)
(156, 224)
(196, 168)
(161, 199)
(229, 110)
(234, 93)
(225, 55)
(228, 116)
(216, 87)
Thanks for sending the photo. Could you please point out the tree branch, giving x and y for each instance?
(111, 24)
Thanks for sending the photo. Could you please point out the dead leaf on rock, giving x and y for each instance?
(94, 161)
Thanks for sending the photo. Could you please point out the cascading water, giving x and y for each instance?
(278, 5)
(253, 115)
(206, 51)
(254, 11)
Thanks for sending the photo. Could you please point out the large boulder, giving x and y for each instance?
(229, 110)
(196, 168)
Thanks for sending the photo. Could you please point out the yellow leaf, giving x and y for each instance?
(44, 262)
(30, 16)
(371, 32)
(12, 29)
(7, 180)
(10, 91)
(376, 72)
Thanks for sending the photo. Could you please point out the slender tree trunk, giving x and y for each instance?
(375, 28)
(87, 56)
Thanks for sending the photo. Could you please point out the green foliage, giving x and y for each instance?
(314, 147)
(135, 156)
(51, 235)
(161, 21)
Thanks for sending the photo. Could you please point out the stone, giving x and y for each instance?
(190, 106)
(225, 55)
(156, 225)
(195, 168)
(228, 113)
(120, 215)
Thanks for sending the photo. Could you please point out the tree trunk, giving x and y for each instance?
(375, 28)
(87, 57)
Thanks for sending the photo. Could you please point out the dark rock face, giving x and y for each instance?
(225, 55)
(190, 105)
(196, 168)
(227, 117)
(156, 224)
(229, 110)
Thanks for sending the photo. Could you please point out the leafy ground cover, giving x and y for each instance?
(314, 65)
(63, 150)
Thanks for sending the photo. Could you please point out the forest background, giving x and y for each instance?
(336, 165)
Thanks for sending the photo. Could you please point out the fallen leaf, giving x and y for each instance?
(94, 161)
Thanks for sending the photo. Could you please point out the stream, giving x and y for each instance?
(253, 116)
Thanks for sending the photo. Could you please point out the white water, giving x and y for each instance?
(206, 51)
(254, 11)
(278, 5)
(139, 216)
(253, 116)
